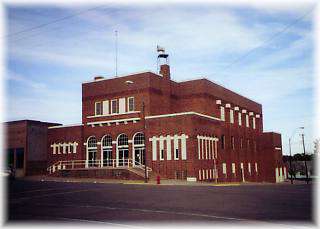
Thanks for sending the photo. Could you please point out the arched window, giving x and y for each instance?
(138, 149)
(91, 151)
(107, 141)
(138, 139)
(92, 142)
(123, 140)
(107, 151)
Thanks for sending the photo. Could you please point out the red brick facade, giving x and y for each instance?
(187, 136)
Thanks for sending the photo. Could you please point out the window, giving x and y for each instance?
(222, 141)
(138, 139)
(249, 168)
(98, 108)
(177, 154)
(254, 123)
(224, 168)
(107, 150)
(256, 166)
(130, 104)
(231, 116)
(239, 118)
(105, 107)
(233, 168)
(107, 141)
(70, 148)
(247, 120)
(122, 105)
(241, 143)
(123, 140)
(162, 155)
(19, 158)
(232, 142)
(114, 106)
(222, 113)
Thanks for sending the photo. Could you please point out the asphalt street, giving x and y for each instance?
(134, 204)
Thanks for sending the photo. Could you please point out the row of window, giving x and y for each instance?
(162, 143)
(231, 113)
(241, 145)
(64, 148)
(233, 168)
(122, 140)
(207, 148)
(114, 106)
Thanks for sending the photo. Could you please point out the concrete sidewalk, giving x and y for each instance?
(150, 182)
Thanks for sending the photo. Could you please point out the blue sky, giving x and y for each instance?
(45, 66)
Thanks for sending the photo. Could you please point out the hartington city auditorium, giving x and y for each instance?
(145, 125)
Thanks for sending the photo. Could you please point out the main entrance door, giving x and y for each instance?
(139, 156)
(123, 157)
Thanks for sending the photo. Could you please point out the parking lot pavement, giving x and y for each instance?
(119, 204)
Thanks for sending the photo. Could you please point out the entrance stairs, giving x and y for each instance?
(109, 169)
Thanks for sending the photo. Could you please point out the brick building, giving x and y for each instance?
(195, 130)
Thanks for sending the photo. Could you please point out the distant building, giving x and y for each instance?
(195, 130)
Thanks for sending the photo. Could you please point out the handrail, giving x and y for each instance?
(107, 163)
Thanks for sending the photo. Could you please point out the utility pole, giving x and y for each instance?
(290, 158)
(305, 161)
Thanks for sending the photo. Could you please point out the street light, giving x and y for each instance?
(290, 151)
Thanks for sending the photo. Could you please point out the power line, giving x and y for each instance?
(239, 59)
(50, 23)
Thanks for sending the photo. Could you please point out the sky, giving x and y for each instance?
(264, 52)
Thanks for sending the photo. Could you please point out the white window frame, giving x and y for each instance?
(247, 120)
(112, 101)
(231, 116)
(234, 168)
(128, 104)
(249, 168)
(222, 113)
(240, 119)
(122, 105)
(224, 168)
(105, 107)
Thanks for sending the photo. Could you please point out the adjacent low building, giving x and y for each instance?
(195, 130)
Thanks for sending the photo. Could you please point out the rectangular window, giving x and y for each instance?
(256, 166)
(233, 168)
(231, 116)
(222, 142)
(249, 168)
(176, 148)
(161, 146)
(254, 123)
(168, 147)
(19, 158)
(114, 106)
(130, 104)
(105, 107)
(232, 142)
(122, 105)
(224, 168)
(154, 149)
(247, 120)
(222, 113)
(177, 154)
(70, 148)
(239, 118)
(98, 108)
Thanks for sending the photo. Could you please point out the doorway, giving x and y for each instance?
(123, 157)
(139, 156)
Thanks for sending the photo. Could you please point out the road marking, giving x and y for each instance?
(98, 221)
(15, 201)
(151, 211)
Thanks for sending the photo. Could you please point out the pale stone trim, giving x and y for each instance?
(62, 126)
